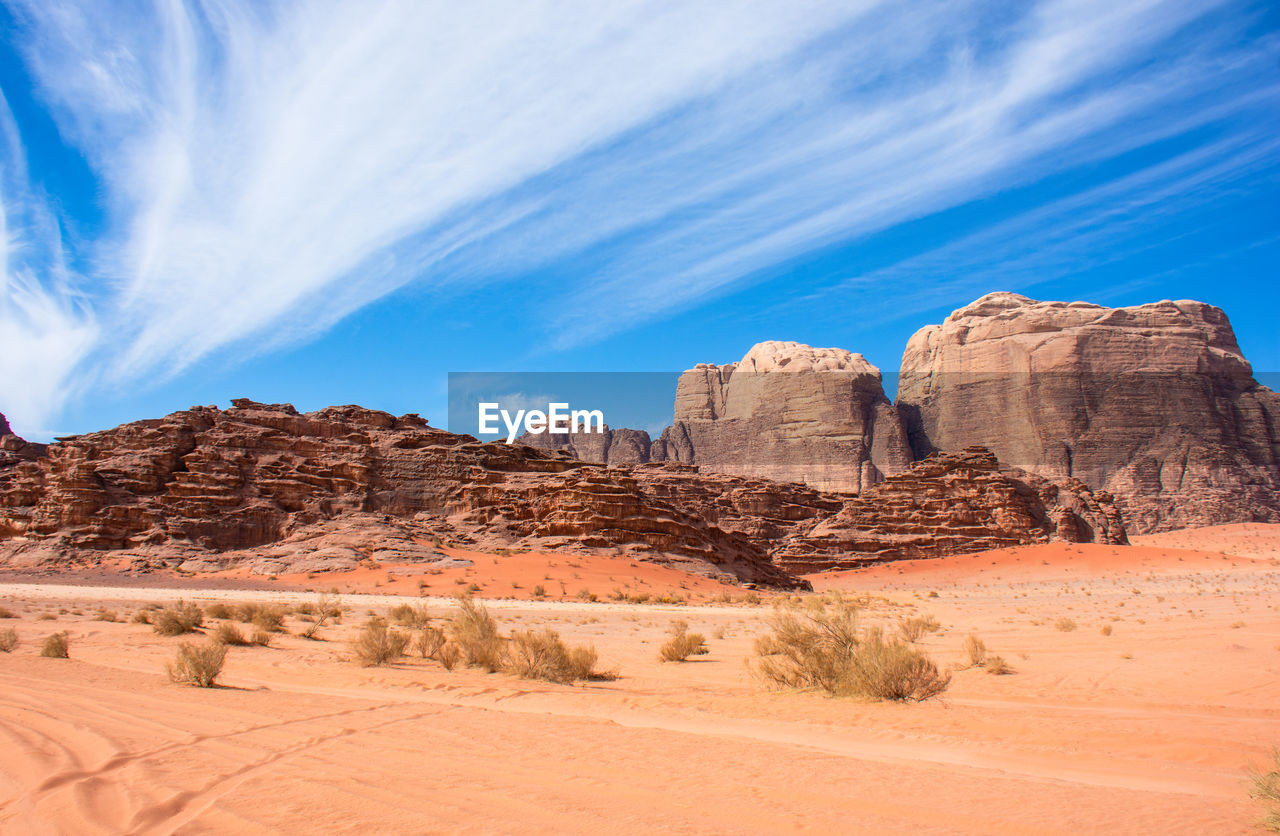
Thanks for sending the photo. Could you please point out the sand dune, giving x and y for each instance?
(1146, 730)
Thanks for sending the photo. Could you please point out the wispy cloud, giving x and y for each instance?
(267, 169)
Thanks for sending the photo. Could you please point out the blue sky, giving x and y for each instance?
(341, 202)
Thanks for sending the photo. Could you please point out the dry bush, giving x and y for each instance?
(448, 656)
(1064, 624)
(182, 617)
(407, 615)
(8, 640)
(1265, 787)
(823, 648)
(269, 619)
(261, 638)
(475, 633)
(429, 642)
(198, 664)
(229, 634)
(106, 615)
(541, 654)
(56, 646)
(5, 612)
(378, 644)
(219, 610)
(140, 617)
(682, 644)
(1106, 629)
(975, 650)
(997, 665)
(327, 608)
(47, 616)
(912, 629)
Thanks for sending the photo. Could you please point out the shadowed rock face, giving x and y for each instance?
(1155, 404)
(206, 488)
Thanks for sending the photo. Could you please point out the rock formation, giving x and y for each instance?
(14, 450)
(1154, 403)
(205, 489)
(950, 503)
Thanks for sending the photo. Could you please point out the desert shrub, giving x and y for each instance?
(5, 612)
(268, 619)
(8, 640)
(260, 638)
(378, 644)
(182, 617)
(1265, 787)
(539, 591)
(141, 617)
(429, 642)
(911, 629)
(997, 665)
(475, 633)
(682, 643)
(975, 650)
(407, 615)
(1064, 624)
(823, 648)
(219, 610)
(327, 608)
(541, 654)
(106, 615)
(229, 634)
(47, 616)
(448, 656)
(56, 646)
(1106, 629)
(198, 664)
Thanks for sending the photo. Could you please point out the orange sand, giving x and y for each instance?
(1148, 730)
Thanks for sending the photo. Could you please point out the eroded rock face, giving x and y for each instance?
(257, 479)
(950, 503)
(1154, 403)
(791, 413)
(15, 450)
(263, 485)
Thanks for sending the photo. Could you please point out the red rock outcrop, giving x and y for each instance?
(207, 488)
(1154, 404)
(15, 450)
(950, 503)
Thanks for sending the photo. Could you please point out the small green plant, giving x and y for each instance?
(379, 644)
(8, 640)
(198, 664)
(56, 646)
(682, 643)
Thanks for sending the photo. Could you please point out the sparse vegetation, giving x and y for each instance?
(228, 633)
(1106, 629)
(912, 629)
(541, 654)
(198, 664)
(682, 643)
(56, 646)
(106, 615)
(182, 617)
(1265, 787)
(260, 638)
(975, 650)
(407, 615)
(823, 648)
(8, 640)
(475, 633)
(219, 610)
(5, 612)
(997, 665)
(140, 617)
(1064, 624)
(327, 608)
(429, 642)
(379, 644)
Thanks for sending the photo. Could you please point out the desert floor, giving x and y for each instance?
(1150, 729)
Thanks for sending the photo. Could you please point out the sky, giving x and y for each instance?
(328, 201)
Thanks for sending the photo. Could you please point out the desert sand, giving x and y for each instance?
(1150, 729)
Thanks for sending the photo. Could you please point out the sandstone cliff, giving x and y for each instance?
(1154, 403)
(791, 413)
